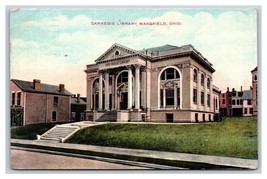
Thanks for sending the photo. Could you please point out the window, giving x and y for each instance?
(230, 101)
(123, 78)
(195, 95)
(169, 117)
(55, 100)
(117, 53)
(13, 99)
(209, 117)
(202, 98)
(208, 83)
(245, 110)
(233, 102)
(250, 110)
(169, 73)
(161, 97)
(196, 117)
(237, 102)
(195, 75)
(255, 77)
(18, 98)
(240, 94)
(202, 79)
(54, 116)
(223, 95)
(241, 102)
(249, 102)
(203, 116)
(216, 104)
(223, 101)
(208, 100)
(169, 97)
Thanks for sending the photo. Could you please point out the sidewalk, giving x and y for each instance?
(193, 160)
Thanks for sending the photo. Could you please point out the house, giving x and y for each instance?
(254, 74)
(216, 98)
(225, 102)
(35, 102)
(160, 84)
(78, 107)
(247, 103)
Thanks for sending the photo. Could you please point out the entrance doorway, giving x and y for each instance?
(124, 100)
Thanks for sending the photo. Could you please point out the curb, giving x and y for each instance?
(171, 159)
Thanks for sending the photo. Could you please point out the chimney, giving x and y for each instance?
(61, 88)
(233, 89)
(227, 88)
(78, 98)
(36, 84)
(241, 88)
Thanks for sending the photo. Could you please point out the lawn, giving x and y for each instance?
(234, 137)
(30, 131)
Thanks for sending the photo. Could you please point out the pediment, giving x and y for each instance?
(115, 51)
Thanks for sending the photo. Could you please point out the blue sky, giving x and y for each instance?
(55, 45)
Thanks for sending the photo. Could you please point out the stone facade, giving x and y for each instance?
(160, 84)
(254, 74)
(37, 104)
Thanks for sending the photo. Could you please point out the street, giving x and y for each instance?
(22, 159)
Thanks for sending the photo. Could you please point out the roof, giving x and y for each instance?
(74, 101)
(255, 69)
(27, 86)
(161, 48)
(246, 95)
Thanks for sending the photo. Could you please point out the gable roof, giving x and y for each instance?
(131, 51)
(161, 48)
(27, 86)
(74, 101)
(246, 95)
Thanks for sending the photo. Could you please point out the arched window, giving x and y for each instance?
(123, 77)
(208, 82)
(255, 77)
(202, 79)
(170, 88)
(95, 94)
(195, 75)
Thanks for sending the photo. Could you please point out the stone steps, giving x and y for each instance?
(58, 132)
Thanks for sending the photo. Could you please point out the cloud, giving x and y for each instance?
(228, 40)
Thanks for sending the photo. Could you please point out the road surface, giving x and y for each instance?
(22, 159)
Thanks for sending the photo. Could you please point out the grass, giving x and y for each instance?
(234, 137)
(30, 131)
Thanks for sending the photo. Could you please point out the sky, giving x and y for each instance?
(55, 44)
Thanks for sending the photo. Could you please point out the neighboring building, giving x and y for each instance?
(225, 103)
(33, 102)
(231, 103)
(247, 103)
(78, 107)
(254, 74)
(160, 84)
(237, 103)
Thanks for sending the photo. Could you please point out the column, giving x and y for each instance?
(100, 91)
(106, 91)
(137, 87)
(164, 98)
(113, 92)
(130, 87)
(148, 83)
(175, 97)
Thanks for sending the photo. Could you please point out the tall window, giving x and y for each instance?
(195, 96)
(250, 110)
(202, 98)
(13, 99)
(216, 104)
(223, 101)
(208, 99)
(249, 102)
(169, 97)
(18, 98)
(55, 100)
(202, 79)
(195, 75)
(233, 102)
(123, 78)
(245, 110)
(208, 83)
(255, 77)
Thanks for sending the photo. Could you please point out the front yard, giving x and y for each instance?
(234, 137)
